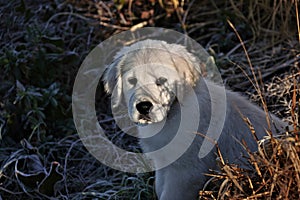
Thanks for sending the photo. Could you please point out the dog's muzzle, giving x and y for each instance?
(143, 110)
(144, 107)
(147, 108)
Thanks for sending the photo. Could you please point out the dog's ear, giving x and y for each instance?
(194, 72)
(112, 79)
(186, 63)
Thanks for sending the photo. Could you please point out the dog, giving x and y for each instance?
(158, 83)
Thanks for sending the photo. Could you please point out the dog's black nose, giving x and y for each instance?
(144, 107)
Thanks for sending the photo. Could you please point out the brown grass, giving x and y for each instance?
(275, 173)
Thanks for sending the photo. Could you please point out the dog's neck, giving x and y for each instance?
(190, 108)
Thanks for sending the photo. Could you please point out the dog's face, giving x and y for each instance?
(148, 78)
(149, 91)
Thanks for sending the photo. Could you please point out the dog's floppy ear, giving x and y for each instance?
(112, 79)
(186, 63)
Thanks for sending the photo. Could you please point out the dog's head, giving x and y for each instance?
(148, 76)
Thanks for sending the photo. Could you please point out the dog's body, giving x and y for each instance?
(154, 98)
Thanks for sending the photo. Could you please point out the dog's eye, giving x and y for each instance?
(132, 81)
(161, 81)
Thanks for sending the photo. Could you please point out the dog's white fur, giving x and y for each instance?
(137, 75)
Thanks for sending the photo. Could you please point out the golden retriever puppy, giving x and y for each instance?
(169, 100)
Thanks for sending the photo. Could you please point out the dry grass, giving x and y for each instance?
(274, 173)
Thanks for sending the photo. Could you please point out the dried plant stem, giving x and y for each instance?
(254, 75)
(297, 18)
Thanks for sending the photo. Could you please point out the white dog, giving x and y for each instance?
(155, 80)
